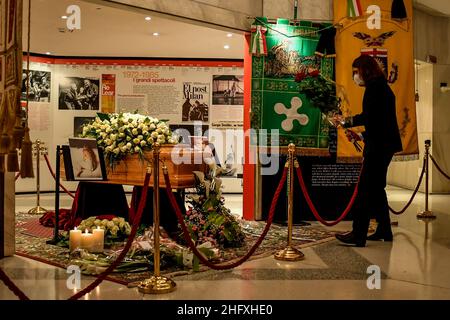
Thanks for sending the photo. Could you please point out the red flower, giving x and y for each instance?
(300, 76)
(314, 73)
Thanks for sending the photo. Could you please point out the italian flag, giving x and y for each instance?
(354, 8)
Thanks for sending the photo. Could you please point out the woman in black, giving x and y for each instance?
(382, 140)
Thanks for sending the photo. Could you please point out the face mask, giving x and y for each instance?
(357, 79)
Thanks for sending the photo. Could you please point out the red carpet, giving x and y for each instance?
(33, 228)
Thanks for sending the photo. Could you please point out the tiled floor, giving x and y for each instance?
(415, 266)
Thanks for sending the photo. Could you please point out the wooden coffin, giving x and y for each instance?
(131, 170)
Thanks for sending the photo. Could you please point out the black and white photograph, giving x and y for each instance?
(79, 94)
(85, 159)
(78, 123)
(196, 102)
(38, 85)
(228, 90)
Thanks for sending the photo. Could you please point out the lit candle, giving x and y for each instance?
(74, 239)
(87, 240)
(98, 239)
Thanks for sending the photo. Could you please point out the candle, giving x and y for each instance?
(98, 240)
(74, 239)
(87, 240)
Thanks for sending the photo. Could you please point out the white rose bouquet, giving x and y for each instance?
(121, 134)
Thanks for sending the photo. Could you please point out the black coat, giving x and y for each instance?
(379, 118)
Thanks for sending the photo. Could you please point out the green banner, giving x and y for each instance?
(276, 101)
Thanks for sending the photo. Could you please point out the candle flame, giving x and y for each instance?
(86, 231)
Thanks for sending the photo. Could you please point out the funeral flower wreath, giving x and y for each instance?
(122, 134)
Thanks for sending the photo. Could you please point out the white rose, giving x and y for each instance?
(154, 134)
(137, 149)
(123, 149)
(128, 138)
(136, 141)
(140, 137)
(113, 137)
(108, 142)
(135, 131)
(116, 150)
(109, 149)
(152, 127)
(143, 143)
(129, 145)
(121, 135)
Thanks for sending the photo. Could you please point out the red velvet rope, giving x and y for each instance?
(136, 223)
(413, 195)
(11, 286)
(194, 249)
(439, 168)
(313, 208)
(54, 177)
(17, 176)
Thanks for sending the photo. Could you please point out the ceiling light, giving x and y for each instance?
(48, 53)
(226, 47)
(148, 18)
(229, 35)
(63, 17)
(155, 34)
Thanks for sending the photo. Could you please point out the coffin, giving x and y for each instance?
(131, 170)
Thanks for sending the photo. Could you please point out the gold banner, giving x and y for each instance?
(380, 33)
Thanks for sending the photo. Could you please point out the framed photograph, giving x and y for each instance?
(78, 123)
(38, 84)
(86, 160)
(77, 93)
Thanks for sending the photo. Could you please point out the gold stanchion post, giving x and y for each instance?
(39, 150)
(427, 213)
(157, 284)
(290, 253)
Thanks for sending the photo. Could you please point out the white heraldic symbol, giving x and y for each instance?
(291, 114)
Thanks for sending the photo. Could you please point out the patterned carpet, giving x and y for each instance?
(31, 240)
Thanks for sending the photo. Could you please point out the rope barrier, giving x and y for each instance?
(17, 176)
(414, 193)
(136, 224)
(54, 177)
(11, 286)
(439, 168)
(313, 208)
(192, 245)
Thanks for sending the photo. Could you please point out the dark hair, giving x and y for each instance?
(368, 68)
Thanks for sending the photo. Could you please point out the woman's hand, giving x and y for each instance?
(337, 120)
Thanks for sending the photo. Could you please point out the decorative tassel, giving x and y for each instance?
(13, 161)
(4, 143)
(398, 10)
(2, 163)
(26, 157)
(18, 134)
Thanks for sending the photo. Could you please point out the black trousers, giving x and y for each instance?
(372, 199)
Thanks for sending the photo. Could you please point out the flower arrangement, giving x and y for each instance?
(116, 228)
(207, 219)
(121, 134)
(321, 91)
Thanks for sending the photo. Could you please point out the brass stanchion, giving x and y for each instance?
(290, 253)
(427, 214)
(38, 150)
(157, 284)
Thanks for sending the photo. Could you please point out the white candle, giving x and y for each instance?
(74, 239)
(87, 240)
(99, 240)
